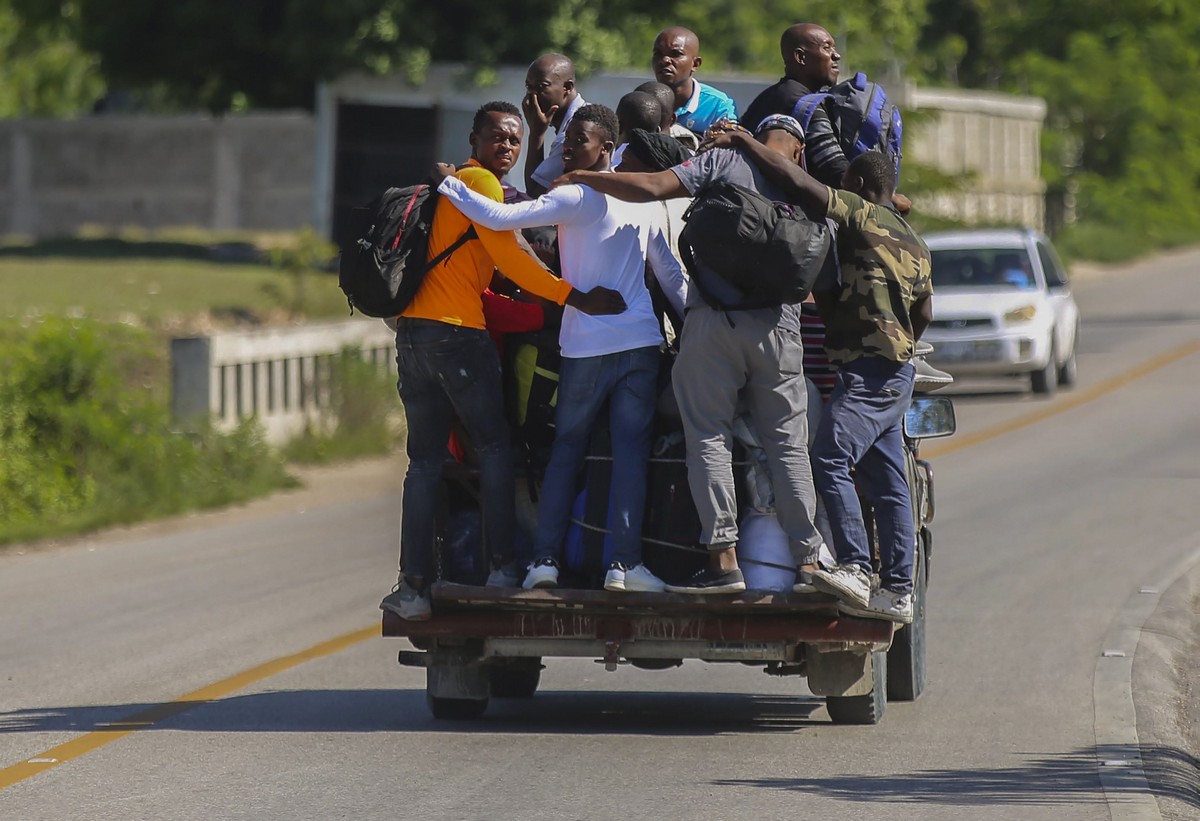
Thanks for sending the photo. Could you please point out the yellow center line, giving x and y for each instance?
(149, 717)
(1063, 405)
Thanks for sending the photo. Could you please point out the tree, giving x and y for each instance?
(43, 70)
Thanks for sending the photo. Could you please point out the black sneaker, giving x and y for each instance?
(711, 581)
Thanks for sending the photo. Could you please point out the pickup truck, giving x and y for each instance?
(487, 642)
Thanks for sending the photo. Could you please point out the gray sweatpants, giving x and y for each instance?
(746, 351)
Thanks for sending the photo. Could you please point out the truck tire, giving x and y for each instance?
(906, 659)
(455, 709)
(516, 680)
(865, 709)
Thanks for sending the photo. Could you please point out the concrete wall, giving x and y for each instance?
(996, 138)
(238, 172)
(281, 376)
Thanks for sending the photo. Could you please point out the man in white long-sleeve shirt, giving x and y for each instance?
(605, 241)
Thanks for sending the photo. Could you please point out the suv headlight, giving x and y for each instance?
(1022, 314)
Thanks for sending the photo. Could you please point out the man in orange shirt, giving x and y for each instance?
(449, 367)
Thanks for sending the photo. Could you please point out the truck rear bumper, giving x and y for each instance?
(643, 625)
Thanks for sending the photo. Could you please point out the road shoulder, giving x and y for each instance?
(1166, 694)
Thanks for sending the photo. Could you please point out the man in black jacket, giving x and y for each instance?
(810, 64)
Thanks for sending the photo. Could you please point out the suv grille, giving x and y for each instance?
(960, 324)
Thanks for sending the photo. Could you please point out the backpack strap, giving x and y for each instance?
(806, 106)
(872, 124)
(467, 236)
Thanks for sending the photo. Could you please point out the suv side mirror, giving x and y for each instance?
(929, 417)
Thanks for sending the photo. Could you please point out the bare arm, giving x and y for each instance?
(797, 184)
(647, 187)
(920, 315)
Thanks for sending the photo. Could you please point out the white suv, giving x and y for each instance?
(1002, 306)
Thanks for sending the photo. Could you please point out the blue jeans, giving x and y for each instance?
(448, 371)
(861, 428)
(630, 379)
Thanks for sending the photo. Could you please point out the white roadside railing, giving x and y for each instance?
(281, 376)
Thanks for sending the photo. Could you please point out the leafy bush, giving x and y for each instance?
(362, 415)
(1099, 242)
(86, 437)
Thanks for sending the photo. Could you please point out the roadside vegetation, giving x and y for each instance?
(86, 435)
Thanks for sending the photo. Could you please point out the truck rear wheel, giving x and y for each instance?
(516, 680)
(906, 659)
(864, 709)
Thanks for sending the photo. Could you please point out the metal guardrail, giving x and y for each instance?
(281, 376)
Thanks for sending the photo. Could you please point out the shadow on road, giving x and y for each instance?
(1070, 779)
(389, 711)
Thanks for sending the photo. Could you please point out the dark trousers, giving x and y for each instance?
(861, 428)
(446, 371)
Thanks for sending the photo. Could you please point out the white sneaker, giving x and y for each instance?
(543, 574)
(884, 604)
(636, 579)
(848, 582)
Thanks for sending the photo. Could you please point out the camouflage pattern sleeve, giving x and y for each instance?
(843, 207)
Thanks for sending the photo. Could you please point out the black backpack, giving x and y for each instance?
(382, 270)
(863, 117)
(770, 251)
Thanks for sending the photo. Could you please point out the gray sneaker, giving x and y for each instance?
(508, 575)
(407, 603)
(927, 378)
(884, 604)
(848, 582)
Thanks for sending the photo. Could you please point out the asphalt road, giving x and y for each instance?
(152, 673)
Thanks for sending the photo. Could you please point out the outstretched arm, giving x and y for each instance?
(642, 187)
(549, 209)
(667, 270)
(797, 184)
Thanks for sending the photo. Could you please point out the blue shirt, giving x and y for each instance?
(705, 107)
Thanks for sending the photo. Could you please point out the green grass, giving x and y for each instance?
(158, 283)
(86, 439)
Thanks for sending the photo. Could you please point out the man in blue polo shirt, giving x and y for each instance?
(676, 57)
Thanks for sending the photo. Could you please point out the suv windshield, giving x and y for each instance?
(982, 268)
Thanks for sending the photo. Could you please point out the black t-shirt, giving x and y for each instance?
(823, 154)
